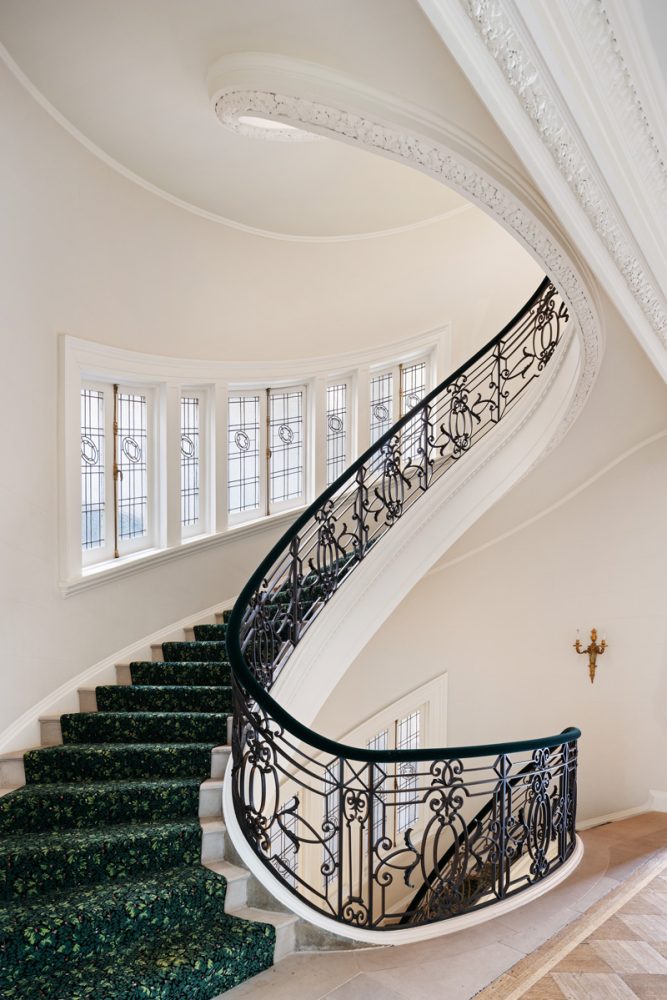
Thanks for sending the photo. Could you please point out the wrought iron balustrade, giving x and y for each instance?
(384, 839)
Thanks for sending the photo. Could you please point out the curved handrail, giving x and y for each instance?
(274, 752)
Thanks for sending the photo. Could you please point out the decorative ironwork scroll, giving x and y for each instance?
(326, 819)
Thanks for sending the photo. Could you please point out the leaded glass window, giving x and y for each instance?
(190, 472)
(92, 469)
(286, 445)
(413, 390)
(337, 418)
(379, 742)
(243, 428)
(382, 404)
(132, 459)
(283, 846)
(408, 733)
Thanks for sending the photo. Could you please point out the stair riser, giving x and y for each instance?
(75, 763)
(58, 810)
(164, 699)
(50, 732)
(87, 700)
(12, 773)
(210, 799)
(26, 875)
(145, 727)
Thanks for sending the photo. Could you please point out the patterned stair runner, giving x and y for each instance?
(102, 892)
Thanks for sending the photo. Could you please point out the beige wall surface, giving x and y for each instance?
(87, 252)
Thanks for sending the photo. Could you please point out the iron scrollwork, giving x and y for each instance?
(331, 827)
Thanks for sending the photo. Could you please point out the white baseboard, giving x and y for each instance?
(25, 731)
(657, 802)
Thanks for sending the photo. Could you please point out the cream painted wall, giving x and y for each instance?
(500, 612)
(86, 252)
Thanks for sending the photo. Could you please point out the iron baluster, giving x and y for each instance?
(477, 812)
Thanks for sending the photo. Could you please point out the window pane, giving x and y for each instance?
(336, 431)
(132, 466)
(189, 461)
(408, 733)
(243, 454)
(379, 742)
(413, 390)
(92, 468)
(283, 846)
(382, 404)
(286, 444)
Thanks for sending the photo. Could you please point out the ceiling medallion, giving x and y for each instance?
(243, 112)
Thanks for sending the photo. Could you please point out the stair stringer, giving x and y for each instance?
(419, 539)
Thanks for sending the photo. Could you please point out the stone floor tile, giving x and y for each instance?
(647, 987)
(593, 986)
(631, 956)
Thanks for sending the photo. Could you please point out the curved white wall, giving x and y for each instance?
(500, 612)
(86, 252)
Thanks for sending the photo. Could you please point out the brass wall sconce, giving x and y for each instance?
(593, 650)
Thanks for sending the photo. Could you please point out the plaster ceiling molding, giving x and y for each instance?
(440, 162)
(233, 107)
(502, 30)
(594, 23)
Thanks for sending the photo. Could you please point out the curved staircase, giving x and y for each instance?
(112, 859)
(120, 877)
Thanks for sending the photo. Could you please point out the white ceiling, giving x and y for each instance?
(131, 75)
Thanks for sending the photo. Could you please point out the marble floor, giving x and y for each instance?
(458, 966)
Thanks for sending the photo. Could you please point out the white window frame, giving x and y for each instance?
(105, 553)
(348, 381)
(300, 500)
(254, 513)
(102, 553)
(203, 525)
(164, 380)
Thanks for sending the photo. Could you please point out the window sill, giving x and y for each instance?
(100, 573)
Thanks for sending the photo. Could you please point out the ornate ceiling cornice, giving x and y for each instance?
(497, 24)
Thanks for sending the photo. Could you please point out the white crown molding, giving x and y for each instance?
(490, 40)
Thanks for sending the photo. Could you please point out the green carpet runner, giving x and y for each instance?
(102, 893)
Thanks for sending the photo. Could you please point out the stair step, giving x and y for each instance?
(50, 730)
(144, 727)
(45, 934)
(87, 699)
(222, 617)
(204, 633)
(164, 698)
(198, 961)
(210, 798)
(186, 651)
(79, 805)
(214, 839)
(12, 769)
(122, 761)
(237, 883)
(36, 864)
(284, 925)
(190, 673)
